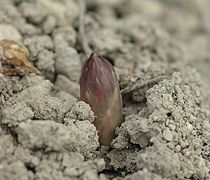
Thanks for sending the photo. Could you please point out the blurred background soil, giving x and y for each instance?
(160, 50)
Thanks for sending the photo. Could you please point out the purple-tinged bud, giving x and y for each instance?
(99, 88)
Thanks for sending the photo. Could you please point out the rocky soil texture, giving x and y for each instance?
(160, 49)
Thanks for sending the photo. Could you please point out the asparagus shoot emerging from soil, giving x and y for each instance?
(99, 88)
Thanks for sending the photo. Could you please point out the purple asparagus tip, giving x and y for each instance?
(99, 88)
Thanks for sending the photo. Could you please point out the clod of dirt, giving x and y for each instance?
(51, 136)
(64, 37)
(38, 91)
(9, 32)
(36, 45)
(15, 170)
(143, 175)
(80, 111)
(50, 108)
(15, 114)
(65, 11)
(68, 63)
(170, 131)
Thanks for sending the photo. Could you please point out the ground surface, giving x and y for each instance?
(161, 53)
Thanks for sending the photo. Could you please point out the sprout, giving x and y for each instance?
(100, 89)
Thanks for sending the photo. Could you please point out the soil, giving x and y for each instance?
(160, 49)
